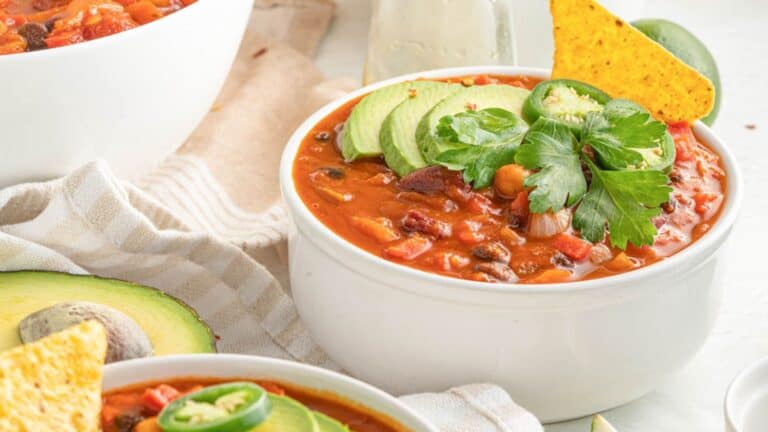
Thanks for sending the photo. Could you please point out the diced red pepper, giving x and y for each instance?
(409, 248)
(703, 202)
(155, 399)
(573, 247)
(684, 141)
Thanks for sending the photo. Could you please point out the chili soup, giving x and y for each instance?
(509, 179)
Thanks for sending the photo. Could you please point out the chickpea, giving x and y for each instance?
(509, 180)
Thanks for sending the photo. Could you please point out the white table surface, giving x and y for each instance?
(737, 33)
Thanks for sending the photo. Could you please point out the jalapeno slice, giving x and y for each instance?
(565, 100)
(230, 407)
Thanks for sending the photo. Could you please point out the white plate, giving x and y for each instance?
(746, 403)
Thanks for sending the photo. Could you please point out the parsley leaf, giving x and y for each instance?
(620, 128)
(625, 201)
(550, 147)
(479, 142)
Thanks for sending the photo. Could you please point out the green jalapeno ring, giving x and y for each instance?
(255, 409)
(535, 107)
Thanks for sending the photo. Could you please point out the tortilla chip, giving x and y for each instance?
(54, 384)
(597, 47)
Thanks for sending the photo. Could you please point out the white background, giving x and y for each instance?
(737, 33)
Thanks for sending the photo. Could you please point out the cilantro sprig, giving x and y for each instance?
(479, 142)
(622, 195)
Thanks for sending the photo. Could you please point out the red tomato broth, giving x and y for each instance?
(369, 189)
(132, 399)
(66, 22)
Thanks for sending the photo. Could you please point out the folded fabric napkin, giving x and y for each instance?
(90, 222)
(207, 227)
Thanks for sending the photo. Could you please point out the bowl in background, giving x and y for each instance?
(562, 350)
(746, 402)
(234, 366)
(130, 98)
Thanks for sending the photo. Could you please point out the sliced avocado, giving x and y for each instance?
(360, 137)
(328, 424)
(172, 326)
(288, 415)
(600, 424)
(503, 96)
(398, 132)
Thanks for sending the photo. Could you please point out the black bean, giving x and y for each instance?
(35, 35)
(428, 180)
(323, 136)
(498, 271)
(669, 206)
(675, 177)
(127, 421)
(561, 260)
(333, 172)
(418, 221)
(492, 251)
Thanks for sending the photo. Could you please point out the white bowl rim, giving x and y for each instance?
(95, 43)
(298, 209)
(742, 379)
(178, 361)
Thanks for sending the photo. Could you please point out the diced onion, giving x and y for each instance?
(545, 225)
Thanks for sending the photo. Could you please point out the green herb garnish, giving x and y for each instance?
(479, 142)
(550, 147)
(623, 194)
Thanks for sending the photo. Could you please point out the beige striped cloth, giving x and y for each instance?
(207, 227)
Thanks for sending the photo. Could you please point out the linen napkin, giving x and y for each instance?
(207, 226)
(90, 222)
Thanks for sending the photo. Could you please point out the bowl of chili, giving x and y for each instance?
(581, 339)
(142, 394)
(123, 81)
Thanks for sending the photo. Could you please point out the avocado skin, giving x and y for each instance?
(688, 48)
(58, 284)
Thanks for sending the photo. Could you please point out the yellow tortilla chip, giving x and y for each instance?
(54, 384)
(597, 47)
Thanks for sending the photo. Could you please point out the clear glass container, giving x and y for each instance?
(414, 35)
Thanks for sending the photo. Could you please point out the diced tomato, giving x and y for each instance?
(409, 248)
(379, 229)
(573, 247)
(155, 399)
(519, 206)
(551, 276)
(143, 11)
(684, 141)
(704, 202)
(480, 204)
(468, 232)
(64, 39)
(482, 80)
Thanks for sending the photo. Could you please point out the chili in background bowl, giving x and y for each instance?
(130, 98)
(562, 350)
(235, 367)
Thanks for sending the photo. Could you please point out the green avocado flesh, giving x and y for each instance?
(328, 424)
(172, 327)
(398, 132)
(502, 96)
(288, 415)
(688, 48)
(360, 137)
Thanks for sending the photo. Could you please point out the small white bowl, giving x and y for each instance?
(234, 366)
(562, 350)
(130, 98)
(746, 402)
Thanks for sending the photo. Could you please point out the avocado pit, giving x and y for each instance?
(125, 338)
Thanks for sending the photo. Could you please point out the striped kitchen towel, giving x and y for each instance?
(90, 222)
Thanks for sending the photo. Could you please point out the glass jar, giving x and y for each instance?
(415, 35)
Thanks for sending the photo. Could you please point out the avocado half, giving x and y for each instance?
(172, 326)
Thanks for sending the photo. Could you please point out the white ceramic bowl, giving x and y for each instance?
(746, 402)
(130, 98)
(561, 350)
(129, 372)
